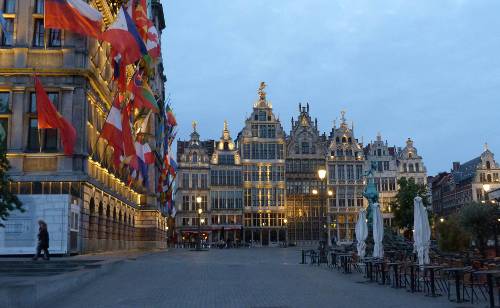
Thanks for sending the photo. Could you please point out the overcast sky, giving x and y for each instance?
(429, 70)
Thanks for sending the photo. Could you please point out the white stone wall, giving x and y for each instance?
(21, 229)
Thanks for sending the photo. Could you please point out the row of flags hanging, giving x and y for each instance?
(134, 40)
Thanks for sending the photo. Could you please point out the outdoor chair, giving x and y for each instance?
(474, 285)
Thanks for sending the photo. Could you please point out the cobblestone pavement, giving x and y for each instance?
(255, 277)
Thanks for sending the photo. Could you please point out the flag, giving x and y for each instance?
(119, 70)
(73, 15)
(149, 157)
(143, 97)
(49, 117)
(124, 38)
(112, 130)
(152, 42)
(4, 25)
(143, 167)
(146, 28)
(144, 125)
(172, 165)
(130, 157)
(170, 116)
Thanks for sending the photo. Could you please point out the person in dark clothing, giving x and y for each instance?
(43, 241)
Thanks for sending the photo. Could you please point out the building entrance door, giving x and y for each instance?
(265, 237)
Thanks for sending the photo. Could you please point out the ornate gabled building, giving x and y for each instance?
(345, 172)
(262, 149)
(305, 155)
(386, 173)
(468, 182)
(226, 192)
(88, 204)
(193, 159)
(410, 164)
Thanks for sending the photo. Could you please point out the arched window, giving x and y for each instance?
(337, 139)
(379, 152)
(404, 168)
(226, 146)
(195, 157)
(417, 167)
(344, 140)
(488, 164)
(350, 140)
(489, 178)
(410, 155)
(410, 167)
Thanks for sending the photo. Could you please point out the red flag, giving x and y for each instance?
(49, 117)
(73, 15)
(112, 130)
(146, 28)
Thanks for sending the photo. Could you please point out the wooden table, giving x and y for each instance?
(489, 278)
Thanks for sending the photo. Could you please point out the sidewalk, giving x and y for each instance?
(25, 283)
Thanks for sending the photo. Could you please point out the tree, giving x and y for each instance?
(451, 235)
(479, 221)
(8, 201)
(403, 205)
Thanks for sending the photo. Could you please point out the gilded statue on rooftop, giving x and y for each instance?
(262, 93)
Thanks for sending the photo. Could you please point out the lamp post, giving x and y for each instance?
(198, 240)
(322, 177)
(286, 231)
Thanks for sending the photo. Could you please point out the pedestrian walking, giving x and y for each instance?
(43, 241)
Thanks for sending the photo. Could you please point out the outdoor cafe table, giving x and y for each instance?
(457, 272)
(369, 262)
(344, 260)
(379, 265)
(489, 278)
(431, 269)
(413, 269)
(395, 270)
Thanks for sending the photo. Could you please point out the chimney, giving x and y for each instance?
(456, 165)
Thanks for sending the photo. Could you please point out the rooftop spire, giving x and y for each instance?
(486, 148)
(194, 123)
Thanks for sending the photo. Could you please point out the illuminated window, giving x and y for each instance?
(9, 6)
(49, 136)
(8, 34)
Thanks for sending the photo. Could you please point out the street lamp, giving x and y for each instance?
(322, 177)
(286, 231)
(322, 174)
(198, 242)
(441, 219)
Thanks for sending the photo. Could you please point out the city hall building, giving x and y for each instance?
(87, 204)
(283, 197)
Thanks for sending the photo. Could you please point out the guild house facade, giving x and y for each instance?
(283, 197)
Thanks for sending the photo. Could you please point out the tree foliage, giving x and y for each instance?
(479, 221)
(403, 205)
(451, 236)
(8, 201)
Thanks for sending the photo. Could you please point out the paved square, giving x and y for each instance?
(256, 277)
